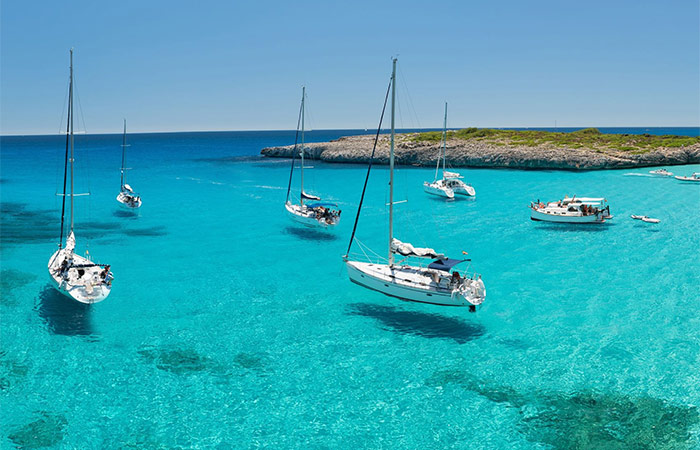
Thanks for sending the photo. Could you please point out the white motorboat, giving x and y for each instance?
(694, 177)
(127, 197)
(661, 173)
(73, 275)
(645, 219)
(571, 210)
(451, 182)
(435, 283)
(313, 214)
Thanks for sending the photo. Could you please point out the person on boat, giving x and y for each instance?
(456, 278)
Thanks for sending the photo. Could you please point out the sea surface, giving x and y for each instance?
(229, 326)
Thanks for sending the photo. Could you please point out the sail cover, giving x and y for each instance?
(309, 197)
(406, 249)
(447, 174)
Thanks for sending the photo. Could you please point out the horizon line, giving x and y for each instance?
(344, 129)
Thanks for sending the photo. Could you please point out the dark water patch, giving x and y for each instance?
(181, 361)
(573, 227)
(12, 371)
(125, 214)
(10, 281)
(587, 419)
(21, 225)
(251, 361)
(419, 323)
(46, 431)
(149, 231)
(310, 234)
(63, 315)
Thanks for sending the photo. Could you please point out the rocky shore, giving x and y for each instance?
(478, 152)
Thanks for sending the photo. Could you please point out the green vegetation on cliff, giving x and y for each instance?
(589, 137)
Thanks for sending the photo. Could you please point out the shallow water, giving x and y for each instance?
(228, 325)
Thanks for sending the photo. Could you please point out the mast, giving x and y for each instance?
(65, 165)
(123, 154)
(72, 140)
(303, 95)
(444, 143)
(391, 161)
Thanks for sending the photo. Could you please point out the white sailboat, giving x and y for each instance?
(127, 196)
(316, 214)
(451, 182)
(73, 275)
(435, 283)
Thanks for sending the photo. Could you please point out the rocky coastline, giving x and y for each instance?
(477, 152)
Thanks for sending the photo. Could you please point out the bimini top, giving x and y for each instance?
(447, 174)
(327, 205)
(406, 249)
(445, 264)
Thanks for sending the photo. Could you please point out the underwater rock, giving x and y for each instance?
(10, 280)
(587, 419)
(249, 361)
(178, 361)
(11, 371)
(46, 431)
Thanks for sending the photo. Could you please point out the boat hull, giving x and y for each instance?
(306, 216)
(439, 190)
(538, 215)
(89, 288)
(690, 179)
(123, 199)
(414, 284)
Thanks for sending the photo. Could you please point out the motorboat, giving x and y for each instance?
(411, 278)
(694, 177)
(571, 210)
(661, 173)
(315, 214)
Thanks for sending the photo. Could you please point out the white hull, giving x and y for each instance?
(416, 284)
(307, 216)
(438, 189)
(565, 217)
(83, 284)
(659, 173)
(695, 179)
(129, 201)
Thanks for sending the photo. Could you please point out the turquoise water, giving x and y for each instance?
(229, 326)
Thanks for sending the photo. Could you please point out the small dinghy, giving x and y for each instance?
(694, 177)
(661, 173)
(645, 219)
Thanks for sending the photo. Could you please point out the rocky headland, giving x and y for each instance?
(581, 150)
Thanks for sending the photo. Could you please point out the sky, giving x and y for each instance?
(230, 65)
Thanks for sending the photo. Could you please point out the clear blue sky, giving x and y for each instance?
(226, 65)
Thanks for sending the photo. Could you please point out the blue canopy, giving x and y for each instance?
(445, 263)
(314, 205)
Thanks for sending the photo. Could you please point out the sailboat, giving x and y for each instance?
(127, 196)
(451, 182)
(316, 214)
(73, 275)
(435, 283)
